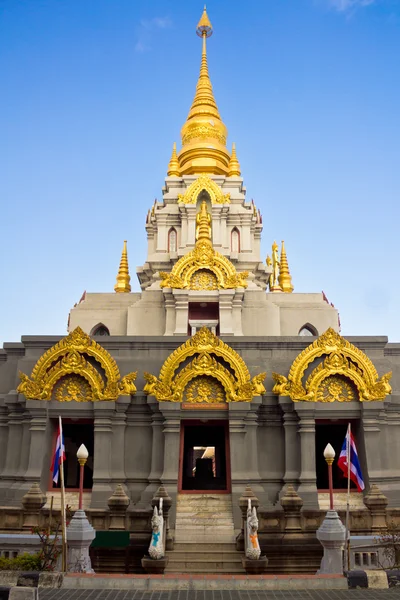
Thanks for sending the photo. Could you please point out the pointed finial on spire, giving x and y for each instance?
(285, 279)
(173, 166)
(204, 27)
(234, 166)
(123, 278)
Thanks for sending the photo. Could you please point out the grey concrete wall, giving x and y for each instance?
(137, 439)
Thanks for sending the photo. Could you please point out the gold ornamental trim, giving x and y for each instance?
(206, 184)
(205, 348)
(203, 269)
(72, 355)
(341, 358)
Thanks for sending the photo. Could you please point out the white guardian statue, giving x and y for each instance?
(253, 550)
(156, 548)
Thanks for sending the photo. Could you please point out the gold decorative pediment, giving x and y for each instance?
(205, 348)
(73, 356)
(204, 269)
(204, 183)
(342, 360)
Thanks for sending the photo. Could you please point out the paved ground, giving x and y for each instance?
(220, 595)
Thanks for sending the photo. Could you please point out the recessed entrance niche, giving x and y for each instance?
(203, 314)
(75, 434)
(331, 433)
(204, 457)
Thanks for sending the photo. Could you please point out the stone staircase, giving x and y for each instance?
(204, 536)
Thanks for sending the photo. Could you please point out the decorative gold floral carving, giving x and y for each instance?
(73, 387)
(203, 132)
(69, 356)
(205, 348)
(342, 358)
(335, 389)
(204, 183)
(203, 280)
(204, 389)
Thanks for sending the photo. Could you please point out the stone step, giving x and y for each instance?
(203, 538)
(209, 566)
(193, 555)
(206, 571)
(204, 507)
(209, 547)
(206, 521)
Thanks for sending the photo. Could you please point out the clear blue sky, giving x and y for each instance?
(93, 94)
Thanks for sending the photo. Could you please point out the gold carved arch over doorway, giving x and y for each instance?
(76, 368)
(204, 183)
(201, 353)
(343, 368)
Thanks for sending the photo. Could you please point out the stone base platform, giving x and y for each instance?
(204, 582)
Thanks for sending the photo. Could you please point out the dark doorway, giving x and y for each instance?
(334, 434)
(76, 434)
(204, 457)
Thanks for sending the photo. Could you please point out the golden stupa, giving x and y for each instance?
(204, 134)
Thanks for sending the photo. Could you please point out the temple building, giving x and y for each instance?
(215, 376)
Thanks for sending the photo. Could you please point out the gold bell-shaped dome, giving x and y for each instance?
(204, 134)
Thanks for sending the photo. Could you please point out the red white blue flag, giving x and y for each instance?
(349, 450)
(59, 454)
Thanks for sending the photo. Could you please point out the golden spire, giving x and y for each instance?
(203, 224)
(204, 134)
(285, 279)
(173, 166)
(123, 277)
(234, 166)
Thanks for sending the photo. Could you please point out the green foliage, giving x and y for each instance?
(23, 562)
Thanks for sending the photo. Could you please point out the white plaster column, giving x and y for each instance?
(217, 240)
(237, 305)
(245, 241)
(170, 316)
(184, 229)
(181, 298)
(308, 477)
(191, 210)
(226, 312)
(162, 232)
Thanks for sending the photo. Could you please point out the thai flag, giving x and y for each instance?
(349, 449)
(59, 454)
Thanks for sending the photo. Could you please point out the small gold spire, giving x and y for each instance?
(123, 278)
(173, 166)
(203, 224)
(285, 279)
(204, 134)
(234, 166)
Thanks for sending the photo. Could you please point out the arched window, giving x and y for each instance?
(100, 329)
(172, 240)
(308, 329)
(235, 240)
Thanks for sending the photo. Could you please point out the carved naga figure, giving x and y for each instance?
(253, 550)
(156, 548)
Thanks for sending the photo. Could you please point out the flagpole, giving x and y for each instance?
(63, 523)
(347, 536)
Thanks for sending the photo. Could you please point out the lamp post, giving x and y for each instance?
(82, 456)
(329, 455)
